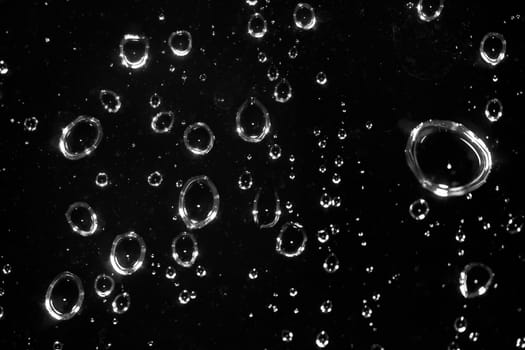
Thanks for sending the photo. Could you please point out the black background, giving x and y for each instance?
(386, 66)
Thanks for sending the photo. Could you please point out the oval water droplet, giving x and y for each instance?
(180, 43)
(493, 110)
(266, 210)
(291, 240)
(121, 303)
(80, 138)
(110, 101)
(245, 181)
(102, 179)
(282, 91)
(252, 121)
(304, 16)
(493, 48)
(475, 280)
(155, 179)
(257, 26)
(331, 263)
(162, 122)
(104, 285)
(64, 296)
(82, 219)
(30, 124)
(198, 138)
(429, 10)
(198, 202)
(134, 51)
(184, 249)
(128, 252)
(322, 340)
(418, 209)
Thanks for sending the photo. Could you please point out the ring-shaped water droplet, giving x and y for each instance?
(481, 283)
(104, 285)
(121, 303)
(291, 240)
(282, 91)
(304, 16)
(189, 206)
(184, 249)
(257, 26)
(473, 143)
(85, 142)
(110, 101)
(493, 48)
(82, 219)
(180, 43)
(134, 264)
(419, 209)
(429, 12)
(51, 298)
(198, 138)
(493, 110)
(252, 121)
(162, 122)
(131, 56)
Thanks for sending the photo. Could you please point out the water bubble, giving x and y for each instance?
(326, 306)
(198, 138)
(121, 303)
(134, 51)
(3, 68)
(460, 324)
(286, 336)
(198, 202)
(272, 73)
(245, 181)
(322, 340)
(127, 253)
(104, 285)
(80, 138)
(102, 179)
(184, 249)
(429, 10)
(257, 26)
(282, 91)
(493, 48)
(304, 16)
(275, 151)
(155, 179)
(339, 161)
(30, 124)
(64, 296)
(266, 209)
(493, 110)
(291, 241)
(180, 43)
(110, 101)
(155, 100)
(321, 78)
(515, 224)
(475, 279)
(443, 142)
(253, 274)
(252, 121)
(162, 122)
(418, 209)
(82, 219)
(331, 263)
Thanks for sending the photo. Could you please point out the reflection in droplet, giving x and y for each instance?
(266, 209)
(102, 179)
(162, 122)
(252, 121)
(257, 26)
(282, 91)
(110, 100)
(475, 280)
(322, 340)
(493, 48)
(245, 181)
(180, 43)
(64, 296)
(198, 138)
(134, 51)
(304, 16)
(121, 303)
(82, 219)
(80, 137)
(127, 253)
(418, 209)
(198, 202)
(446, 135)
(429, 10)
(184, 249)
(104, 285)
(493, 110)
(291, 240)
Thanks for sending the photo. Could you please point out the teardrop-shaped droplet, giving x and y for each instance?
(198, 202)
(110, 101)
(291, 240)
(127, 253)
(198, 138)
(252, 121)
(134, 51)
(475, 280)
(80, 138)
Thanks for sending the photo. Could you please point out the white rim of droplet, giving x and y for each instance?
(257, 35)
(429, 18)
(196, 150)
(107, 292)
(488, 115)
(194, 253)
(141, 62)
(279, 240)
(48, 303)
(308, 7)
(255, 210)
(93, 227)
(63, 144)
(118, 103)
(183, 212)
(116, 308)
(463, 280)
(121, 270)
(156, 118)
(177, 52)
(420, 132)
(485, 57)
(267, 122)
(276, 96)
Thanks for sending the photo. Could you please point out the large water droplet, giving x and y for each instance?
(127, 253)
(80, 138)
(475, 280)
(429, 10)
(82, 219)
(180, 43)
(252, 121)
(266, 209)
(134, 51)
(304, 16)
(198, 202)
(493, 48)
(64, 296)
(291, 240)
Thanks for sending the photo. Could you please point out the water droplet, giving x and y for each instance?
(515, 224)
(184, 297)
(282, 91)
(275, 151)
(2, 312)
(266, 209)
(460, 324)
(272, 73)
(200, 271)
(110, 101)
(64, 296)
(253, 274)
(475, 279)
(184, 249)
(286, 336)
(261, 56)
(326, 306)
(418, 209)
(198, 202)
(428, 10)
(180, 43)
(322, 340)
(104, 285)
(80, 138)
(251, 2)
(520, 343)
(493, 110)
(82, 219)
(257, 26)
(341, 134)
(7, 269)
(198, 138)
(473, 336)
(325, 201)
(127, 253)
(102, 179)
(433, 144)
(134, 51)
(121, 303)
(493, 48)
(245, 180)
(30, 124)
(304, 16)
(291, 241)
(3, 68)
(252, 121)
(155, 100)
(323, 236)
(321, 78)
(162, 122)
(331, 263)
(293, 52)
(155, 179)
(58, 345)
